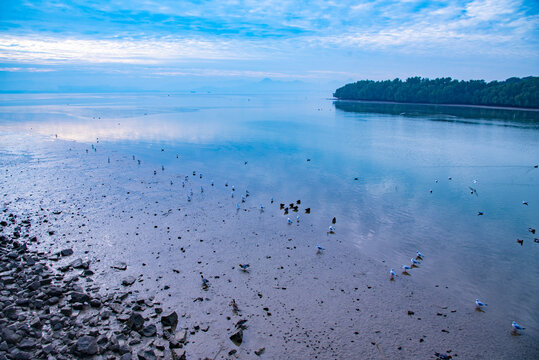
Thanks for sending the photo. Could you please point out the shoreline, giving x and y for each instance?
(339, 304)
(429, 104)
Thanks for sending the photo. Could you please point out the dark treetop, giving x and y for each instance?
(513, 92)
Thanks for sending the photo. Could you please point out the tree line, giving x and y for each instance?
(513, 92)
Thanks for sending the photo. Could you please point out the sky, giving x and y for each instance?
(57, 45)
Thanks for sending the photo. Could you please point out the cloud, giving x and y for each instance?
(54, 50)
(25, 69)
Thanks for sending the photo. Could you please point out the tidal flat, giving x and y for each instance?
(156, 193)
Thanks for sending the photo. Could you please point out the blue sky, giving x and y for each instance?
(179, 45)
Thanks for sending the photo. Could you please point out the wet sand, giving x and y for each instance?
(300, 304)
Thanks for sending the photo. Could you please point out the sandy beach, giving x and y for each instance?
(298, 303)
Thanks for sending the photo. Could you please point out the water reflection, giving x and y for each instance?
(444, 112)
(396, 156)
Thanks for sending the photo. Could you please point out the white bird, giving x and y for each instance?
(233, 188)
(272, 200)
(191, 192)
(232, 194)
(183, 183)
(479, 304)
(289, 221)
(475, 181)
(212, 183)
(405, 268)
(517, 326)
(414, 261)
(392, 273)
(242, 199)
(261, 207)
(524, 202)
(237, 206)
(419, 255)
(297, 218)
(247, 192)
(188, 198)
(319, 248)
(201, 189)
(331, 229)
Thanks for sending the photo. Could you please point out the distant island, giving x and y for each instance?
(513, 92)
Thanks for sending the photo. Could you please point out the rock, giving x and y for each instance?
(120, 266)
(77, 263)
(27, 344)
(260, 351)
(237, 337)
(135, 322)
(170, 320)
(146, 355)
(21, 355)
(178, 354)
(79, 297)
(66, 252)
(10, 336)
(128, 281)
(126, 356)
(87, 345)
(149, 330)
(95, 303)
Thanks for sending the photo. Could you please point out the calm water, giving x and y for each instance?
(373, 166)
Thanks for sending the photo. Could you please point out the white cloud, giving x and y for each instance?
(60, 50)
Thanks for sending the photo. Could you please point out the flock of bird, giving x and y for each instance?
(414, 261)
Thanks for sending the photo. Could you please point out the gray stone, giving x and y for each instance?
(149, 330)
(66, 252)
(87, 345)
(170, 320)
(135, 322)
(128, 281)
(146, 355)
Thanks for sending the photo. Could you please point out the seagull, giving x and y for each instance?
(261, 207)
(205, 282)
(183, 183)
(212, 183)
(201, 189)
(246, 192)
(232, 194)
(272, 200)
(532, 230)
(237, 206)
(479, 213)
(289, 221)
(419, 255)
(162, 168)
(242, 199)
(405, 269)
(226, 184)
(520, 241)
(479, 304)
(319, 249)
(244, 267)
(516, 326)
(297, 218)
(475, 181)
(155, 172)
(188, 198)
(392, 274)
(331, 229)
(414, 262)
(524, 202)
(233, 189)
(139, 162)
(191, 192)
(307, 210)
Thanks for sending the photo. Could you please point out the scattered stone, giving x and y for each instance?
(170, 320)
(128, 281)
(87, 345)
(66, 252)
(135, 322)
(237, 337)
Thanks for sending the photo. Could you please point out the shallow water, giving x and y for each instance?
(371, 166)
